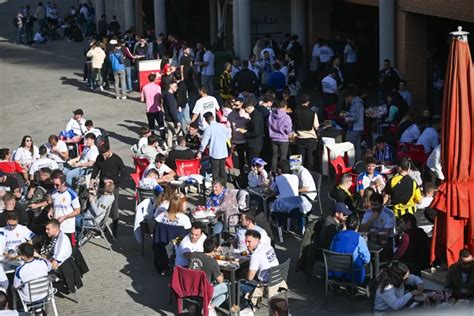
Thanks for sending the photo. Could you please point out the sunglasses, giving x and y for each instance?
(28, 140)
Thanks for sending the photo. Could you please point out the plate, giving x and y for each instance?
(223, 263)
(201, 215)
(211, 214)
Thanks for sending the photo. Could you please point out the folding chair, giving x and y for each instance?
(140, 165)
(276, 275)
(99, 227)
(186, 168)
(417, 154)
(39, 287)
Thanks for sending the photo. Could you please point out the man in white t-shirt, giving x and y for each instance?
(78, 165)
(204, 105)
(411, 134)
(306, 182)
(194, 241)
(429, 138)
(77, 123)
(32, 268)
(247, 222)
(16, 234)
(3, 277)
(66, 205)
(60, 248)
(57, 149)
(263, 258)
(165, 173)
(285, 184)
(43, 162)
(207, 70)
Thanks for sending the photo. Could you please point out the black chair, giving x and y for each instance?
(318, 179)
(145, 194)
(276, 275)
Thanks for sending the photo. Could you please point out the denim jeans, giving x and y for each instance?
(19, 33)
(128, 74)
(97, 76)
(119, 79)
(244, 289)
(355, 138)
(184, 118)
(220, 294)
(73, 173)
(207, 81)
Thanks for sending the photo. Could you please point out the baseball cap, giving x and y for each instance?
(78, 112)
(342, 208)
(258, 161)
(158, 189)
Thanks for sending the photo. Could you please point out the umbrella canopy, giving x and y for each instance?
(454, 227)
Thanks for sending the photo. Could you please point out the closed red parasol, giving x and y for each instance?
(454, 226)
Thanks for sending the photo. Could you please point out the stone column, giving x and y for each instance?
(386, 31)
(213, 21)
(99, 9)
(244, 29)
(298, 20)
(129, 10)
(235, 26)
(159, 9)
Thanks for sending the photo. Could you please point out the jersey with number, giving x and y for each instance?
(16, 236)
(64, 203)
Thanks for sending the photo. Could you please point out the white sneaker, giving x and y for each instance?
(246, 312)
(101, 88)
(123, 97)
(118, 98)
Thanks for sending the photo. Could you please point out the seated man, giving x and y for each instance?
(205, 261)
(411, 134)
(151, 150)
(181, 152)
(16, 234)
(9, 184)
(285, 184)
(97, 209)
(91, 129)
(349, 241)
(414, 248)
(77, 166)
(306, 182)
(258, 176)
(193, 140)
(59, 249)
(247, 222)
(333, 224)
(194, 241)
(263, 258)
(143, 141)
(461, 276)
(7, 165)
(32, 268)
(342, 194)
(10, 206)
(57, 150)
(165, 173)
(43, 162)
(77, 123)
(429, 138)
(225, 199)
(383, 152)
(370, 178)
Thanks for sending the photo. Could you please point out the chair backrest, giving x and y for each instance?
(39, 287)
(140, 164)
(337, 262)
(103, 223)
(136, 178)
(181, 274)
(318, 179)
(332, 201)
(278, 274)
(188, 167)
(417, 153)
(145, 194)
(339, 165)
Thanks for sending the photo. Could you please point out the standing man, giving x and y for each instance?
(40, 15)
(151, 95)
(97, 55)
(66, 205)
(110, 168)
(254, 132)
(171, 109)
(216, 136)
(207, 70)
(117, 62)
(306, 126)
(205, 104)
(330, 90)
(238, 118)
(355, 120)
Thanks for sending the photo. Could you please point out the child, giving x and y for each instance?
(258, 176)
(150, 181)
(428, 195)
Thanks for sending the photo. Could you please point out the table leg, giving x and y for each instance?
(377, 263)
(232, 288)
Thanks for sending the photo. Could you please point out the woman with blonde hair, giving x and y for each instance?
(163, 200)
(175, 213)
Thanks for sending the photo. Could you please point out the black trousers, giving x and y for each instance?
(253, 152)
(241, 149)
(218, 169)
(306, 148)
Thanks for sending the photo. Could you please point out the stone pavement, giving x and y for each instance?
(39, 87)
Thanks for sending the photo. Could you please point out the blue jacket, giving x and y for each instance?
(116, 59)
(351, 242)
(276, 81)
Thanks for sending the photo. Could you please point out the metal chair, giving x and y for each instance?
(340, 262)
(99, 227)
(318, 179)
(276, 275)
(140, 164)
(332, 201)
(40, 287)
(143, 194)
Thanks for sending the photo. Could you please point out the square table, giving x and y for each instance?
(264, 195)
(375, 250)
(231, 268)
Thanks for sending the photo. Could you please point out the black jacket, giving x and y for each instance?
(245, 80)
(255, 130)
(171, 108)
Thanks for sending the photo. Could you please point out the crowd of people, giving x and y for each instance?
(258, 115)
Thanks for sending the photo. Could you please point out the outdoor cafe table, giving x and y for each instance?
(262, 194)
(375, 249)
(208, 220)
(9, 266)
(232, 268)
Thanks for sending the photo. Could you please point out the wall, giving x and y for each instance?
(451, 9)
(115, 7)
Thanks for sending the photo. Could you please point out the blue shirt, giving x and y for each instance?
(216, 136)
(364, 181)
